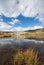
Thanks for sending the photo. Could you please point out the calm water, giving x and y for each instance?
(23, 43)
(19, 41)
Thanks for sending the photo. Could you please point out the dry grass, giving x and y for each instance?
(36, 35)
(20, 57)
(29, 57)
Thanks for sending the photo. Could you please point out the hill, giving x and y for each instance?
(36, 30)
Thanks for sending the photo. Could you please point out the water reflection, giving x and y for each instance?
(18, 41)
(33, 40)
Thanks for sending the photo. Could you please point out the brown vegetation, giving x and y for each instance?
(28, 57)
(33, 35)
(15, 55)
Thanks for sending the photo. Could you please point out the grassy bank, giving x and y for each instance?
(30, 35)
(34, 35)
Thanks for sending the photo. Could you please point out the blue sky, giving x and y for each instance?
(15, 16)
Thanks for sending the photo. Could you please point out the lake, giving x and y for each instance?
(25, 43)
(13, 40)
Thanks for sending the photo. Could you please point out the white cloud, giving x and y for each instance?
(9, 8)
(4, 26)
(8, 26)
(19, 28)
(14, 21)
(37, 27)
(33, 8)
(30, 8)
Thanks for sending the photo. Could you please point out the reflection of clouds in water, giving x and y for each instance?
(32, 40)
(18, 41)
(5, 41)
(39, 41)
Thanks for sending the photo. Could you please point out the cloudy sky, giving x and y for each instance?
(20, 15)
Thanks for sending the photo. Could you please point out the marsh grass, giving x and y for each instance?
(28, 57)
(36, 35)
(17, 56)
